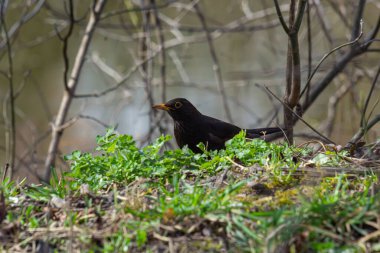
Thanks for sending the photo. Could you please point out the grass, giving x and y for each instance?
(251, 197)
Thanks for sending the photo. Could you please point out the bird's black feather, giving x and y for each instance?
(192, 127)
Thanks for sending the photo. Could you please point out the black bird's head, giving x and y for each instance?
(179, 109)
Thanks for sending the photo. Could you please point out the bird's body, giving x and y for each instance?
(192, 127)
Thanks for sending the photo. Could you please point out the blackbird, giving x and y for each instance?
(192, 127)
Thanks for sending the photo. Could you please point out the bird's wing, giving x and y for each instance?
(219, 130)
(257, 132)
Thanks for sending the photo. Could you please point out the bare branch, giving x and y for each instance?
(363, 120)
(327, 126)
(322, 20)
(216, 64)
(293, 64)
(358, 23)
(362, 131)
(309, 48)
(340, 65)
(11, 129)
(300, 12)
(152, 6)
(280, 17)
(72, 84)
(161, 41)
(327, 55)
(146, 68)
(341, 15)
(179, 66)
(24, 19)
(65, 40)
(299, 117)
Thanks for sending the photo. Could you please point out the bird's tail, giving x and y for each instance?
(257, 132)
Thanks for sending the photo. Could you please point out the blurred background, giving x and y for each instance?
(149, 51)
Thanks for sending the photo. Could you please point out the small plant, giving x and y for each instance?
(123, 198)
(120, 161)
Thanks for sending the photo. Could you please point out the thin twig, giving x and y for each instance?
(326, 27)
(327, 55)
(328, 125)
(5, 172)
(362, 131)
(362, 121)
(364, 127)
(146, 68)
(65, 40)
(11, 147)
(73, 82)
(342, 16)
(357, 29)
(24, 19)
(293, 65)
(340, 65)
(372, 35)
(307, 124)
(294, 94)
(161, 41)
(175, 43)
(179, 66)
(42, 98)
(309, 47)
(216, 64)
(150, 7)
(280, 17)
(300, 12)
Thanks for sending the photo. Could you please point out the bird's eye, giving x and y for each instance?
(177, 105)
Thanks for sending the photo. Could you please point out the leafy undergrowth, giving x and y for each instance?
(253, 196)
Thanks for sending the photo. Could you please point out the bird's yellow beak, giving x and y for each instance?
(161, 107)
